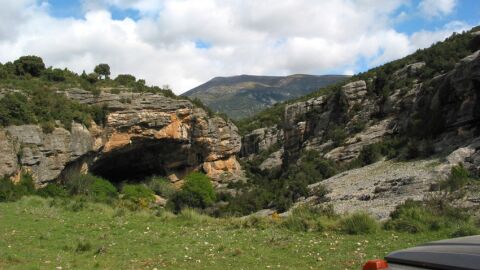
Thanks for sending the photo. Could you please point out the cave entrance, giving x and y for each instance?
(143, 158)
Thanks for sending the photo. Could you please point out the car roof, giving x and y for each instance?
(453, 254)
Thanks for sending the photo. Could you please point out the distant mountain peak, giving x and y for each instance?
(243, 95)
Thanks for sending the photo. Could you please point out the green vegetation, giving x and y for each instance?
(127, 229)
(40, 233)
(91, 186)
(161, 186)
(102, 69)
(197, 192)
(139, 194)
(44, 107)
(358, 223)
(34, 95)
(12, 192)
(458, 178)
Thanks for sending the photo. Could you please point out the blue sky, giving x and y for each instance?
(184, 43)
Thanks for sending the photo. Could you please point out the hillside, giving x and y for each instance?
(243, 96)
(421, 108)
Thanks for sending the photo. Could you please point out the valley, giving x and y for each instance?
(110, 173)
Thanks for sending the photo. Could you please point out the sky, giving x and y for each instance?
(184, 43)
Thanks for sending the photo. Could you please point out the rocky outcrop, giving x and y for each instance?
(260, 140)
(446, 106)
(143, 134)
(43, 155)
(273, 161)
(380, 187)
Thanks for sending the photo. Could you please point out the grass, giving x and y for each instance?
(37, 234)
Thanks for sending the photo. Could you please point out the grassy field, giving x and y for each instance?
(36, 235)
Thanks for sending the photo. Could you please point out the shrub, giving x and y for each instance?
(466, 229)
(197, 192)
(252, 221)
(413, 217)
(337, 135)
(370, 154)
(125, 79)
(10, 191)
(358, 223)
(102, 190)
(320, 191)
(161, 186)
(91, 186)
(15, 110)
(52, 190)
(54, 75)
(138, 193)
(457, 179)
(310, 219)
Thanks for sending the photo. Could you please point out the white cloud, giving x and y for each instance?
(247, 36)
(436, 8)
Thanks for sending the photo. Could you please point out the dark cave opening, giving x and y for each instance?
(143, 158)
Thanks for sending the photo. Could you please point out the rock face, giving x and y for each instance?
(447, 107)
(144, 134)
(260, 140)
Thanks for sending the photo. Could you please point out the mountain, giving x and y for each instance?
(244, 95)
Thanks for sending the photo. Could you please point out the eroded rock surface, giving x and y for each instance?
(380, 187)
(144, 134)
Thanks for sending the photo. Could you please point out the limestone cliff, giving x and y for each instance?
(143, 134)
(444, 109)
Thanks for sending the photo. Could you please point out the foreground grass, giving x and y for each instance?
(35, 235)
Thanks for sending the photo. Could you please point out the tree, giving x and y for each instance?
(103, 69)
(125, 79)
(54, 75)
(3, 72)
(31, 64)
(92, 78)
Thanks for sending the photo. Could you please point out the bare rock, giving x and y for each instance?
(378, 188)
(274, 161)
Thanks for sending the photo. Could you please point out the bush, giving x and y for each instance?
(358, 223)
(466, 229)
(370, 154)
(310, 219)
(458, 178)
(102, 190)
(413, 217)
(337, 135)
(197, 192)
(252, 221)
(54, 75)
(320, 191)
(161, 186)
(125, 79)
(15, 110)
(10, 191)
(91, 186)
(52, 190)
(138, 193)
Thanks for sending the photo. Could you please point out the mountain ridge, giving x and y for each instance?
(244, 95)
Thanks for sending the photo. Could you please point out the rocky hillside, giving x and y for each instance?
(242, 96)
(421, 107)
(143, 134)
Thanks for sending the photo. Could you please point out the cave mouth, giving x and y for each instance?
(144, 158)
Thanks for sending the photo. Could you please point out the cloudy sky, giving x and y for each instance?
(184, 43)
